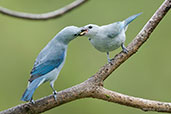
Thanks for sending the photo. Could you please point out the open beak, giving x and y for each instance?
(83, 32)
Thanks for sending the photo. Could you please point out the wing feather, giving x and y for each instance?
(46, 63)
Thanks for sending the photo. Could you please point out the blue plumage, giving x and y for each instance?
(109, 37)
(48, 65)
(50, 61)
(27, 96)
(130, 19)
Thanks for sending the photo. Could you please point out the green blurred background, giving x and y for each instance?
(147, 74)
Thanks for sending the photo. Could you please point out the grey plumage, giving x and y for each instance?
(109, 37)
(50, 61)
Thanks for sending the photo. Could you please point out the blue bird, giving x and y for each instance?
(50, 61)
(109, 37)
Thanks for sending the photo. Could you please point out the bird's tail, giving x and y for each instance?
(27, 96)
(130, 19)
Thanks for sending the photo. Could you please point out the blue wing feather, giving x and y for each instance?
(130, 19)
(44, 68)
(119, 26)
(52, 61)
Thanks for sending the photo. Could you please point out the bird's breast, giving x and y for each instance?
(106, 44)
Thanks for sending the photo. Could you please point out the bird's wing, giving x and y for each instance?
(48, 62)
(112, 30)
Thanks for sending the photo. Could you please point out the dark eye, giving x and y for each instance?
(90, 27)
(75, 34)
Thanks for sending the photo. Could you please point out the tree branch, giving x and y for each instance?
(43, 16)
(93, 87)
(143, 104)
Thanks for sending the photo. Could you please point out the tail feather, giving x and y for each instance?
(130, 19)
(27, 96)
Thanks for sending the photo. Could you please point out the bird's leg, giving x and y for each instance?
(32, 101)
(108, 58)
(54, 91)
(124, 48)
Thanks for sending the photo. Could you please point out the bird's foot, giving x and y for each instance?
(110, 61)
(108, 58)
(125, 50)
(54, 95)
(32, 101)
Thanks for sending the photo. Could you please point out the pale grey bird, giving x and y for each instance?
(109, 37)
(50, 61)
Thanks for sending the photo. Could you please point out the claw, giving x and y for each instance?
(125, 50)
(32, 101)
(109, 60)
(54, 95)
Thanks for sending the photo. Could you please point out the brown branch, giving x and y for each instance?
(43, 16)
(93, 87)
(79, 91)
(143, 104)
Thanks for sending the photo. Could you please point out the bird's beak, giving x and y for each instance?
(83, 32)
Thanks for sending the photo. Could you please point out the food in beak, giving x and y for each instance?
(83, 32)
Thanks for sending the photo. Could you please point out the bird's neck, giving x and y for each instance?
(62, 39)
(58, 42)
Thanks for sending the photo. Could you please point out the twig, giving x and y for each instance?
(43, 16)
(93, 87)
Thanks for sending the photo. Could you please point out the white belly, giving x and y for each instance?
(52, 75)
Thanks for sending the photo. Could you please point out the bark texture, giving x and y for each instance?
(93, 87)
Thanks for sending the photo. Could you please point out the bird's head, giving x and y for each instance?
(69, 33)
(89, 30)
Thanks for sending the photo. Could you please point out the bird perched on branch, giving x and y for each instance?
(50, 61)
(109, 37)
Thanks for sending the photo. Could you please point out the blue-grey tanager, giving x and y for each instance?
(50, 61)
(109, 37)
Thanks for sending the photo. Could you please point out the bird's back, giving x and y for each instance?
(109, 37)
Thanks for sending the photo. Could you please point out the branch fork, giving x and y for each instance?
(93, 87)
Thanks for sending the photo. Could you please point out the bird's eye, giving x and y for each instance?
(75, 34)
(90, 27)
